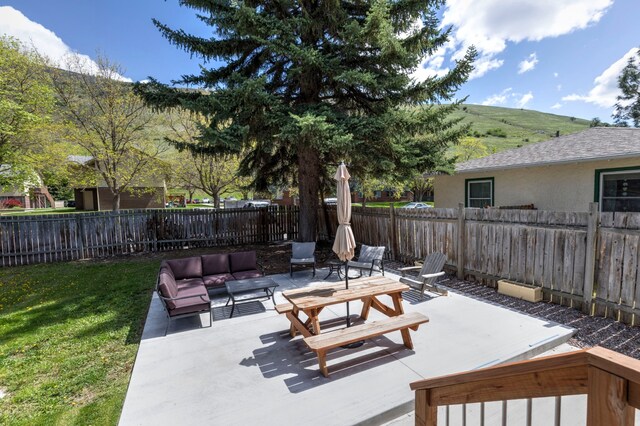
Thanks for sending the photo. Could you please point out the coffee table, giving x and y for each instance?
(241, 291)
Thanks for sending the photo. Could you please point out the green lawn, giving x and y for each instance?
(387, 204)
(69, 333)
(22, 212)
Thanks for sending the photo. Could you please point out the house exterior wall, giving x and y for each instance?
(142, 198)
(561, 187)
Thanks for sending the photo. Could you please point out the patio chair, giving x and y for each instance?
(429, 273)
(370, 259)
(302, 254)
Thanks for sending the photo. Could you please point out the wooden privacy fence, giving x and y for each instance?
(49, 238)
(588, 260)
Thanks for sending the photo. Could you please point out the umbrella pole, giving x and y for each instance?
(346, 280)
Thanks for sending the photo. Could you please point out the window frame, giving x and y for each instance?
(467, 183)
(599, 180)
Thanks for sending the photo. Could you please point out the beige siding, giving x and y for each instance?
(565, 187)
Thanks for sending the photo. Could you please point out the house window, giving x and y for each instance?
(619, 190)
(479, 192)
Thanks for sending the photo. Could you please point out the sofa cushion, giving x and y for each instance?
(243, 275)
(189, 267)
(165, 268)
(204, 306)
(189, 282)
(217, 280)
(168, 288)
(242, 261)
(214, 264)
(199, 296)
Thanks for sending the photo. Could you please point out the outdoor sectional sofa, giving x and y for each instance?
(183, 285)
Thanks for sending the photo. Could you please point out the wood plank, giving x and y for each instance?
(426, 414)
(547, 276)
(629, 275)
(607, 400)
(615, 277)
(334, 339)
(561, 381)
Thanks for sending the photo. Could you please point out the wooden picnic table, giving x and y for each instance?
(312, 300)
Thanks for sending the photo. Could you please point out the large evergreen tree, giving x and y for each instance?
(304, 84)
(627, 109)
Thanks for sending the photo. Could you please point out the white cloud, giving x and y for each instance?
(499, 98)
(605, 86)
(528, 64)
(483, 65)
(559, 87)
(557, 105)
(32, 34)
(555, 74)
(524, 100)
(490, 25)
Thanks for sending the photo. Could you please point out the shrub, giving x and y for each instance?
(497, 132)
(11, 203)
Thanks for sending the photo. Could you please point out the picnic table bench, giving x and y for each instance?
(312, 300)
(324, 342)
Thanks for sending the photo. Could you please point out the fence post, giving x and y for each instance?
(80, 235)
(593, 223)
(461, 231)
(394, 233)
(156, 226)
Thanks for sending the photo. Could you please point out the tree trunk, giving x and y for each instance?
(216, 200)
(116, 202)
(309, 184)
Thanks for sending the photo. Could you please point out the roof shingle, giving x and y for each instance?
(597, 143)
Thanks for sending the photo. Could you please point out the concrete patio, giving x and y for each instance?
(248, 370)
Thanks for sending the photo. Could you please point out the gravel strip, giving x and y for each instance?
(591, 331)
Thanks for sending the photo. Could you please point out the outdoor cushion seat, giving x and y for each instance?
(244, 265)
(370, 258)
(215, 264)
(190, 267)
(303, 254)
(217, 280)
(189, 282)
(190, 307)
(304, 260)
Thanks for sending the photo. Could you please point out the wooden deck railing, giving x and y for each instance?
(610, 380)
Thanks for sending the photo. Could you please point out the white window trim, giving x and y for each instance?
(469, 182)
(603, 174)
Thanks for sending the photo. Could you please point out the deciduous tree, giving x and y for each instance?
(111, 124)
(26, 104)
(304, 84)
(212, 173)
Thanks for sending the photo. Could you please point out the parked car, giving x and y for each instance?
(416, 205)
(331, 201)
(206, 200)
(254, 204)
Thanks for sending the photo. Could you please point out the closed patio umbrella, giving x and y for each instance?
(344, 244)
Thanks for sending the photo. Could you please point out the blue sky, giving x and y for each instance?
(558, 56)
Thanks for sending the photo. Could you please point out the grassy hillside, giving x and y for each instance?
(516, 127)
